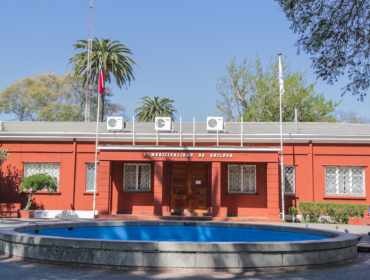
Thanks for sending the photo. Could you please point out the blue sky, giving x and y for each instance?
(182, 47)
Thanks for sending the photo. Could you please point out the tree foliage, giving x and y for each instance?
(251, 91)
(38, 182)
(3, 156)
(115, 63)
(351, 117)
(156, 107)
(48, 97)
(336, 33)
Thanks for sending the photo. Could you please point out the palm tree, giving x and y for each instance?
(156, 107)
(115, 62)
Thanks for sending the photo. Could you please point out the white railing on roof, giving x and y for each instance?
(216, 136)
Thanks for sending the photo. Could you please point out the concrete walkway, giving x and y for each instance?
(4, 222)
(11, 268)
(361, 231)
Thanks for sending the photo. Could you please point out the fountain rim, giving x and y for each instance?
(336, 240)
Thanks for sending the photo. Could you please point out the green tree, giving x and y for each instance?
(15, 99)
(336, 33)
(115, 62)
(156, 107)
(251, 91)
(47, 97)
(3, 155)
(351, 117)
(38, 182)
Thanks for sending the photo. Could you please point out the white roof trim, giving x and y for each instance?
(220, 148)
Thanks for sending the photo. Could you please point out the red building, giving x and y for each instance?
(187, 169)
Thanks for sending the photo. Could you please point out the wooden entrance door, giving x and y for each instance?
(189, 187)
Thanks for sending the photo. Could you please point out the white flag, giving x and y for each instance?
(281, 80)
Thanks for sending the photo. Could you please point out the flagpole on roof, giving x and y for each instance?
(88, 67)
(100, 90)
(281, 91)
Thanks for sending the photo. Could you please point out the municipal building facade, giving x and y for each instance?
(186, 170)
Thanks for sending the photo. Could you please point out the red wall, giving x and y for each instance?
(127, 203)
(12, 172)
(337, 155)
(245, 204)
(309, 160)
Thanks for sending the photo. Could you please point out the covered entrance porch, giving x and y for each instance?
(192, 184)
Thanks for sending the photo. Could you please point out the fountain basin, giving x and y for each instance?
(134, 254)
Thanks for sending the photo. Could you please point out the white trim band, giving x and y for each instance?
(166, 148)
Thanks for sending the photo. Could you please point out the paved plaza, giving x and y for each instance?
(359, 268)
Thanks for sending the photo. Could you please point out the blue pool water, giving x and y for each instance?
(180, 233)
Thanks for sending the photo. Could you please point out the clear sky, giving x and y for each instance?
(181, 46)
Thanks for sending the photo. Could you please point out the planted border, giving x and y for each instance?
(330, 212)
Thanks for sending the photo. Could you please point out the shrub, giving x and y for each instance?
(337, 212)
(293, 212)
(3, 155)
(38, 182)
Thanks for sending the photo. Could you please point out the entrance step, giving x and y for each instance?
(151, 217)
(190, 214)
(189, 218)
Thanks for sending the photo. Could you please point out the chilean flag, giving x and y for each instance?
(101, 78)
(281, 79)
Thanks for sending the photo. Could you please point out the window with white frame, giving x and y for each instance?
(289, 179)
(50, 168)
(136, 177)
(90, 175)
(344, 180)
(242, 179)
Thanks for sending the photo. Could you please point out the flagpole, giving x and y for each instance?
(281, 145)
(96, 147)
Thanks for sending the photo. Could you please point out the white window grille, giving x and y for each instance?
(136, 178)
(242, 179)
(50, 168)
(90, 174)
(289, 180)
(344, 180)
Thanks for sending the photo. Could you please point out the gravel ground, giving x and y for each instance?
(11, 268)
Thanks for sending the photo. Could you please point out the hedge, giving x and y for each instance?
(337, 212)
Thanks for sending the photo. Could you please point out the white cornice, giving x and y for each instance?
(166, 148)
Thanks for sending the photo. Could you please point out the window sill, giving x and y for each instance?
(137, 193)
(232, 194)
(291, 195)
(43, 192)
(345, 197)
(90, 193)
